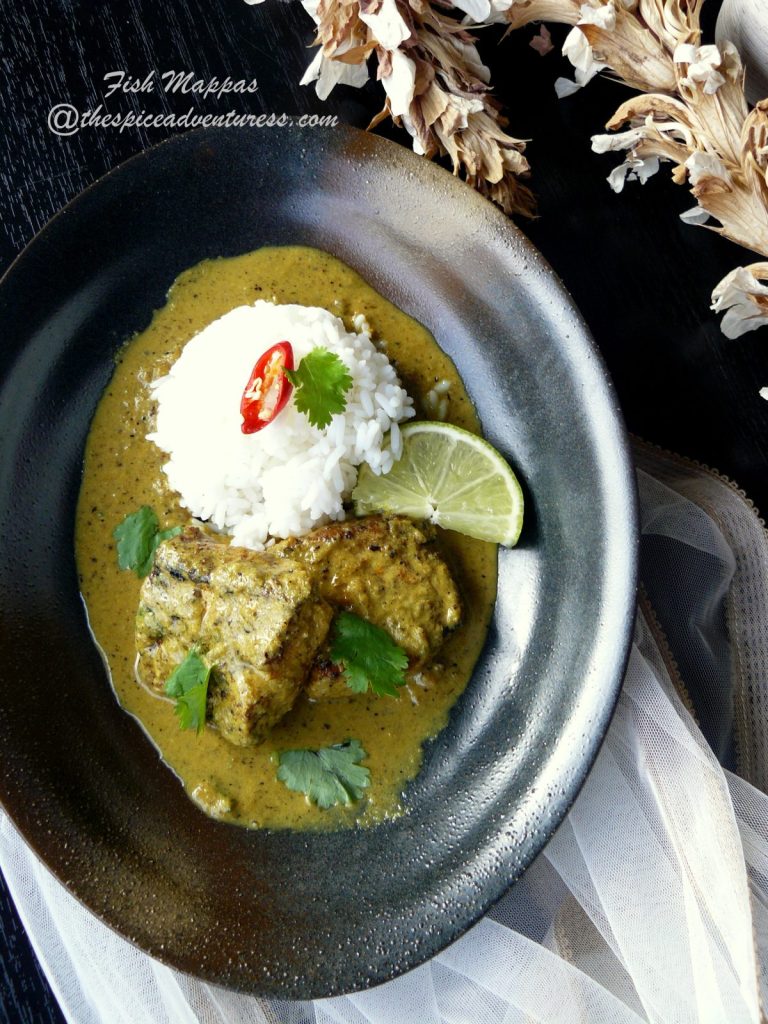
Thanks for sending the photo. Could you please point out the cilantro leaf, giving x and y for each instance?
(188, 685)
(137, 539)
(368, 656)
(321, 381)
(328, 776)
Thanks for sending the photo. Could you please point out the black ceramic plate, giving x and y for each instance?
(288, 914)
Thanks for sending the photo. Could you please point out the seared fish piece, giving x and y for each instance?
(255, 617)
(386, 569)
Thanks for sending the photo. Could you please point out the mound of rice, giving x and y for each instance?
(289, 476)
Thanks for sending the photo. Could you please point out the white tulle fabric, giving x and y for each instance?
(650, 904)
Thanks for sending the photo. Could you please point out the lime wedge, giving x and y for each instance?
(449, 477)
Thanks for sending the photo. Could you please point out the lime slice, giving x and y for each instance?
(450, 477)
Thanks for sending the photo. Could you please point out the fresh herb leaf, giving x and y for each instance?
(320, 381)
(188, 685)
(137, 539)
(368, 656)
(329, 776)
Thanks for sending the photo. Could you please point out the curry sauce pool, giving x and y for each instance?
(123, 471)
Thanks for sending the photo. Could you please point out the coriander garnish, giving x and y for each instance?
(320, 381)
(188, 685)
(328, 776)
(138, 537)
(368, 656)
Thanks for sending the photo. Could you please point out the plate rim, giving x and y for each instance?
(627, 485)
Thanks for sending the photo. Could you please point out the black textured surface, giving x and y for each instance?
(641, 278)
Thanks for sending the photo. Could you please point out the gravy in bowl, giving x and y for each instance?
(123, 470)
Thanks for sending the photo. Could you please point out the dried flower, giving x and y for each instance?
(342, 55)
(710, 139)
(436, 86)
(634, 38)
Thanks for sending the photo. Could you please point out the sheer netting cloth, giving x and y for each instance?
(649, 904)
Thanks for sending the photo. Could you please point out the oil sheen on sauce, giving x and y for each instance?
(123, 471)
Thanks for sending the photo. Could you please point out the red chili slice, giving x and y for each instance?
(268, 389)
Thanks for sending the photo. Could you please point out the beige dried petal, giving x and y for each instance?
(755, 135)
(667, 150)
(478, 11)
(450, 145)
(357, 54)
(328, 73)
(339, 28)
(633, 169)
(695, 216)
(661, 126)
(382, 115)
(720, 188)
(562, 12)
(542, 42)
(632, 53)
(511, 195)
(434, 103)
(456, 116)
(745, 299)
(719, 114)
(685, 53)
(603, 15)
(490, 163)
(384, 65)
(385, 22)
(754, 150)
(425, 76)
(702, 67)
(658, 107)
(468, 55)
(423, 138)
(677, 21)
(739, 209)
(400, 84)
(498, 12)
(617, 142)
(611, 35)
(578, 51)
(707, 170)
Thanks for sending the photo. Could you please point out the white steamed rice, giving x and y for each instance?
(289, 476)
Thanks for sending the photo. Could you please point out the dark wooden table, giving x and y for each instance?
(641, 278)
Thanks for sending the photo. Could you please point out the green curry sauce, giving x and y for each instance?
(123, 471)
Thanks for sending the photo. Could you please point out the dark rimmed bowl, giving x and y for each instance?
(289, 914)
